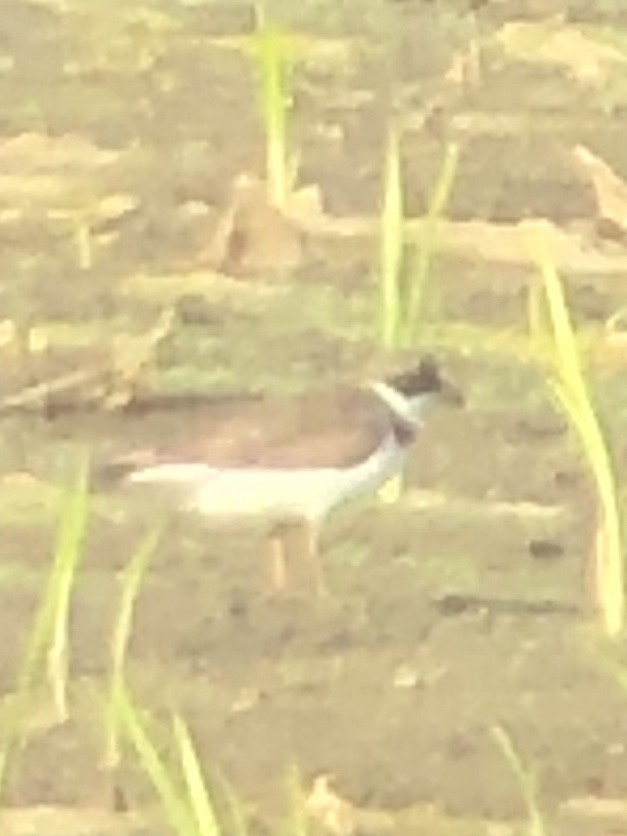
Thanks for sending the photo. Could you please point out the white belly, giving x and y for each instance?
(304, 492)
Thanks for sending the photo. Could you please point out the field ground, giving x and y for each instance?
(464, 605)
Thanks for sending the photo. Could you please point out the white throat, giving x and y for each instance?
(405, 408)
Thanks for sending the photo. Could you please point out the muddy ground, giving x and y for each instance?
(464, 605)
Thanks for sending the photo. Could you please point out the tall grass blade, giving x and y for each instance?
(274, 52)
(524, 778)
(232, 812)
(419, 273)
(68, 552)
(184, 795)
(131, 583)
(170, 793)
(569, 387)
(391, 244)
(47, 654)
(201, 807)
(404, 272)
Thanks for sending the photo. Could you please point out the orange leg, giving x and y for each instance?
(311, 548)
(297, 539)
(277, 561)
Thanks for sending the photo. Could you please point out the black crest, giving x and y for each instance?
(424, 379)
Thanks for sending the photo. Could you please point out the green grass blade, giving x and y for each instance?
(426, 246)
(198, 797)
(131, 583)
(391, 244)
(51, 618)
(47, 643)
(524, 778)
(171, 795)
(570, 389)
(232, 811)
(609, 552)
(68, 553)
(566, 350)
(274, 51)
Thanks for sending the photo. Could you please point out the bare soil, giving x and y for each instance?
(465, 605)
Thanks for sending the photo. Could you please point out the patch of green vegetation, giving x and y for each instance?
(183, 379)
(249, 353)
(81, 334)
(452, 570)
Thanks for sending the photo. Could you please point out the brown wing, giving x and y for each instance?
(337, 429)
(334, 429)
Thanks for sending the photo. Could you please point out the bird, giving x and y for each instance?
(292, 460)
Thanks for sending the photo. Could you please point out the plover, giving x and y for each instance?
(293, 460)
